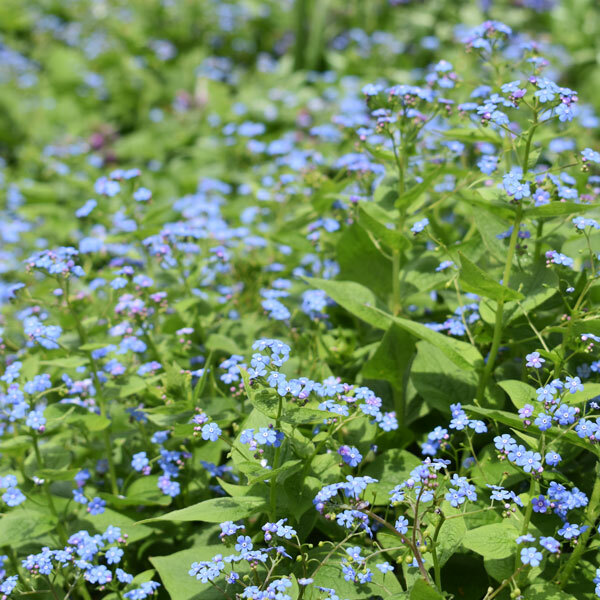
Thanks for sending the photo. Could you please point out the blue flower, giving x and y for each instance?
(534, 360)
(354, 554)
(350, 455)
(243, 543)
(401, 525)
(531, 556)
(553, 458)
(13, 497)
(142, 195)
(113, 556)
(139, 461)
(96, 506)
(211, 431)
(420, 225)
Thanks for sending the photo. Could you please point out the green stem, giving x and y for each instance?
(413, 548)
(273, 483)
(99, 392)
(591, 516)
(497, 336)
(538, 240)
(436, 565)
(62, 533)
(396, 304)
(300, 19)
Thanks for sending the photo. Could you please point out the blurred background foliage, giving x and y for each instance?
(137, 78)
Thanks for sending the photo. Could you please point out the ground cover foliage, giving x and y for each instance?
(298, 300)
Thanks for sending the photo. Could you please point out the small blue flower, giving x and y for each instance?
(531, 556)
(211, 431)
(534, 360)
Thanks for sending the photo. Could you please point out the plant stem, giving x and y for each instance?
(497, 336)
(436, 565)
(405, 540)
(62, 534)
(99, 391)
(273, 490)
(300, 19)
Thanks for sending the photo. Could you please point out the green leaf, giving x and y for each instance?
(176, 381)
(473, 135)
(216, 341)
(91, 421)
(304, 416)
(330, 575)
(142, 492)
(71, 362)
(360, 301)
(555, 209)
(544, 590)
(475, 280)
(19, 527)
(52, 454)
(423, 591)
(355, 298)
(57, 474)
(376, 220)
(99, 523)
(537, 287)
(520, 393)
(418, 190)
(590, 391)
(492, 541)
(215, 510)
(440, 382)
(173, 570)
(287, 467)
(389, 468)
(489, 226)
(451, 535)
(487, 199)
(391, 358)
(361, 261)
(264, 400)
(386, 192)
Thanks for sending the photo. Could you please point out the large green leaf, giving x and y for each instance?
(440, 382)
(555, 209)
(331, 576)
(143, 491)
(264, 400)
(451, 534)
(544, 590)
(355, 298)
(520, 393)
(424, 591)
(476, 280)
(537, 286)
(389, 468)
(492, 541)
(215, 510)
(173, 570)
(381, 225)
(99, 523)
(391, 357)
(360, 301)
(21, 526)
(361, 261)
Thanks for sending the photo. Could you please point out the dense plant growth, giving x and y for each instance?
(299, 300)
